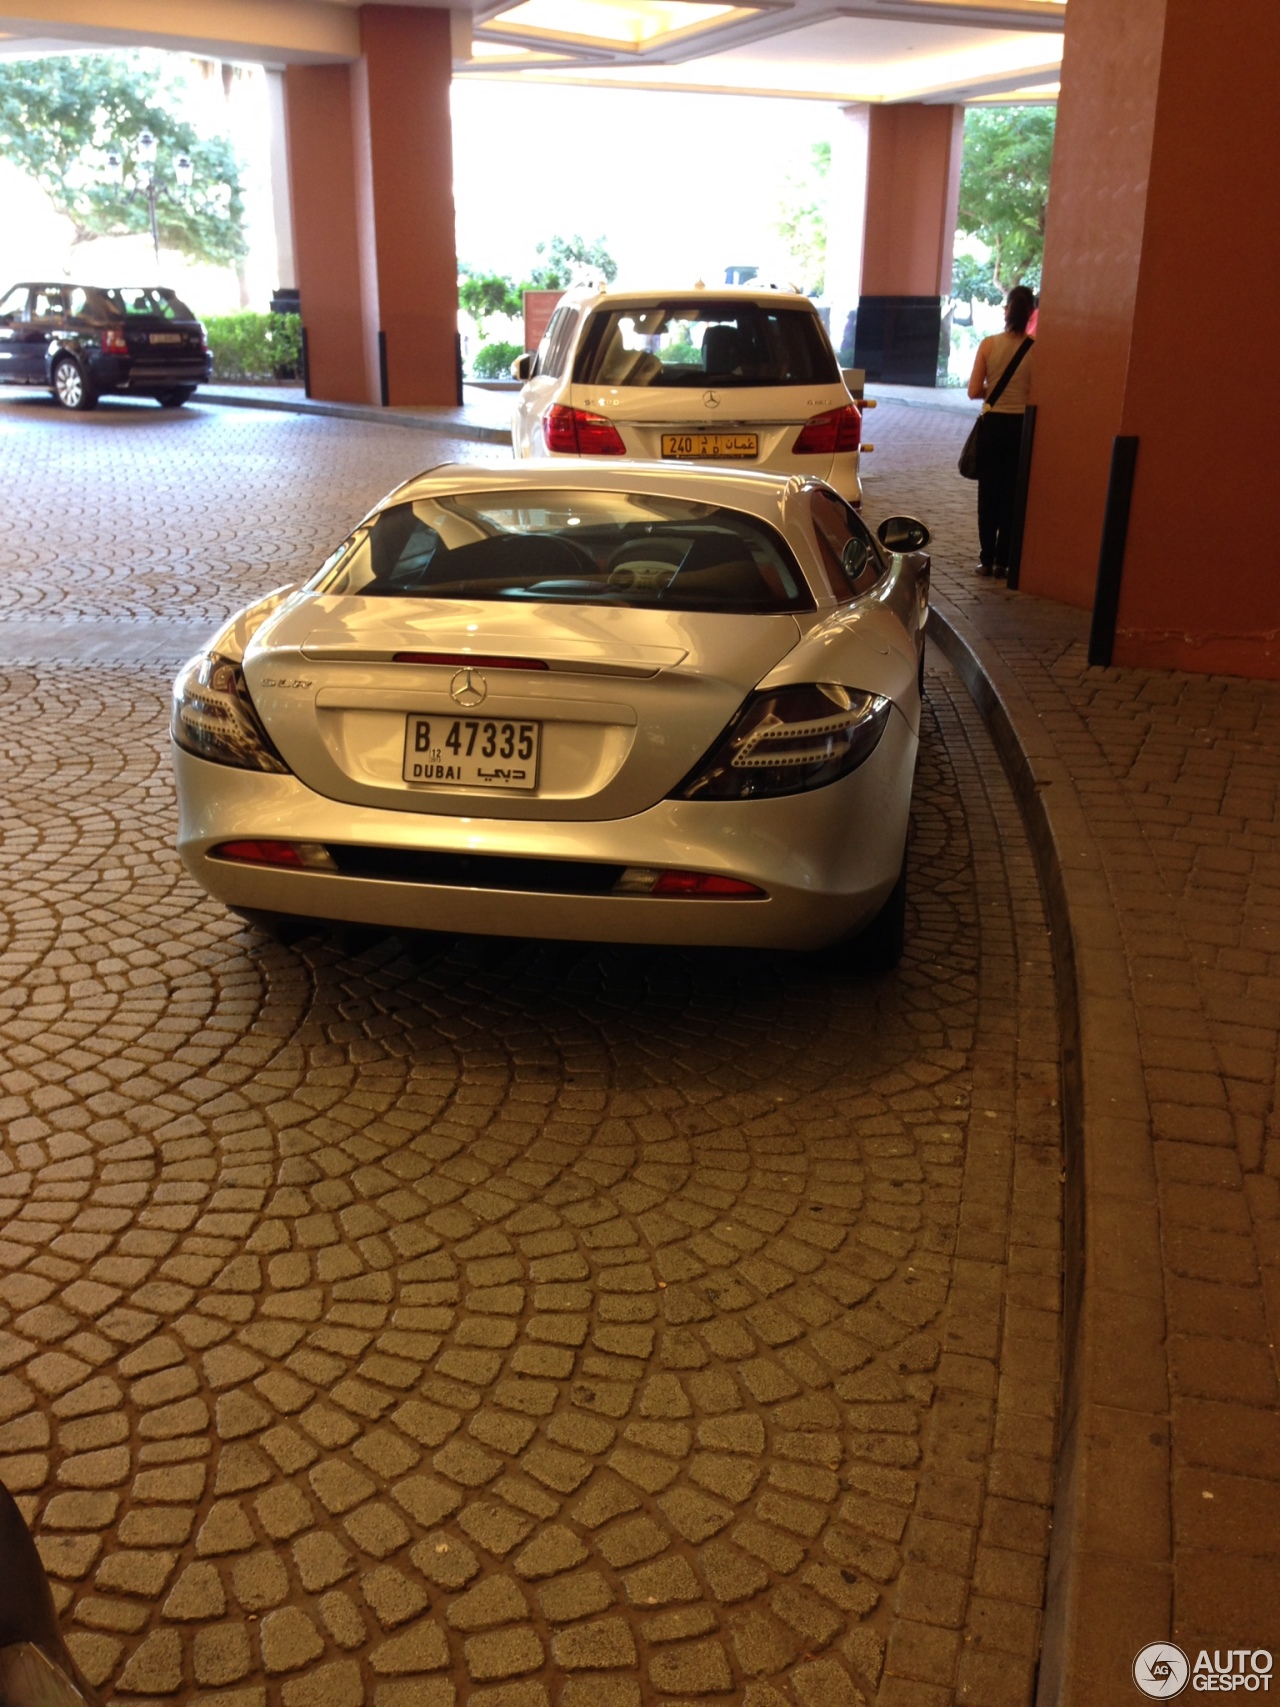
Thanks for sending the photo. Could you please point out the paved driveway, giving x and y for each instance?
(411, 1320)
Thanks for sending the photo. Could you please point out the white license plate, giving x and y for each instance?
(470, 752)
(166, 337)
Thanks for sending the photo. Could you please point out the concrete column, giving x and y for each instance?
(371, 164)
(281, 200)
(405, 184)
(846, 223)
(1158, 255)
(326, 244)
(912, 194)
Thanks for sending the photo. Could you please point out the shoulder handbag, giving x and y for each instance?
(968, 463)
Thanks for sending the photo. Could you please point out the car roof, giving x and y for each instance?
(76, 284)
(591, 295)
(757, 493)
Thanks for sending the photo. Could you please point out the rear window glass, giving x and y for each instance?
(144, 301)
(701, 343)
(570, 547)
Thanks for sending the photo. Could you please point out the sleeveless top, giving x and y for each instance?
(1001, 350)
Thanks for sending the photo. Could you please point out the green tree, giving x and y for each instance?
(802, 224)
(559, 257)
(61, 117)
(483, 294)
(1004, 187)
(974, 281)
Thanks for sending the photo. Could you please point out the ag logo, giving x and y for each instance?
(468, 688)
(1161, 1670)
(710, 400)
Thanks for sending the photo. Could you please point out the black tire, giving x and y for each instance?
(71, 387)
(284, 928)
(175, 396)
(879, 947)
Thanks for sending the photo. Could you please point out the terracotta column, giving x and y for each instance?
(404, 148)
(322, 192)
(1159, 251)
(913, 191)
(371, 168)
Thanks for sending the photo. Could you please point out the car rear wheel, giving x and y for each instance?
(175, 396)
(70, 387)
(878, 946)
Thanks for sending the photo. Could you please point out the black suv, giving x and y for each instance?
(81, 340)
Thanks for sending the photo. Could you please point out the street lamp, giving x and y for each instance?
(146, 151)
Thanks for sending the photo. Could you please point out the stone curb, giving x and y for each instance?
(474, 431)
(1110, 1567)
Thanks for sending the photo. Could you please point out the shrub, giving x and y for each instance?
(250, 346)
(494, 361)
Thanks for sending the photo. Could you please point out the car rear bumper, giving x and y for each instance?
(826, 860)
(122, 373)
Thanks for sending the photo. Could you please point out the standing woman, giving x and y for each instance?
(1000, 437)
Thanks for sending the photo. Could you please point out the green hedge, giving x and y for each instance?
(493, 361)
(261, 347)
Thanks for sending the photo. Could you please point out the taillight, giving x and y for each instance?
(788, 741)
(298, 856)
(641, 880)
(573, 432)
(113, 342)
(827, 434)
(467, 660)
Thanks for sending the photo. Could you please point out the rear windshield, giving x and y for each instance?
(608, 548)
(701, 343)
(134, 302)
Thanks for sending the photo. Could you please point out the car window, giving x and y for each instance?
(81, 303)
(571, 547)
(145, 301)
(14, 306)
(850, 560)
(555, 343)
(49, 303)
(702, 342)
(563, 340)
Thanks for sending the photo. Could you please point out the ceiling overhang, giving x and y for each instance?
(957, 51)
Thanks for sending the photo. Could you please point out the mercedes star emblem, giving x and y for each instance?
(468, 688)
(710, 400)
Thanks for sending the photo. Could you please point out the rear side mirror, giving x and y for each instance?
(522, 366)
(903, 533)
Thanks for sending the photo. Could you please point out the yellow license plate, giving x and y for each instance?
(711, 447)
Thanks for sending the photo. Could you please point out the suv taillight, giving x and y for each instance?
(113, 342)
(828, 434)
(573, 432)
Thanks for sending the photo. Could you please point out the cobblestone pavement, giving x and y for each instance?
(1176, 873)
(421, 1320)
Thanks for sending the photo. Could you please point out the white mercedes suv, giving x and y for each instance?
(718, 375)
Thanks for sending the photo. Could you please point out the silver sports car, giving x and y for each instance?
(627, 703)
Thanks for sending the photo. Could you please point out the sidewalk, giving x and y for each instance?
(1151, 799)
(484, 416)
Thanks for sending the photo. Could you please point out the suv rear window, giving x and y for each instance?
(570, 547)
(138, 302)
(680, 342)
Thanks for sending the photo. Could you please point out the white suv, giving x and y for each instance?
(746, 377)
